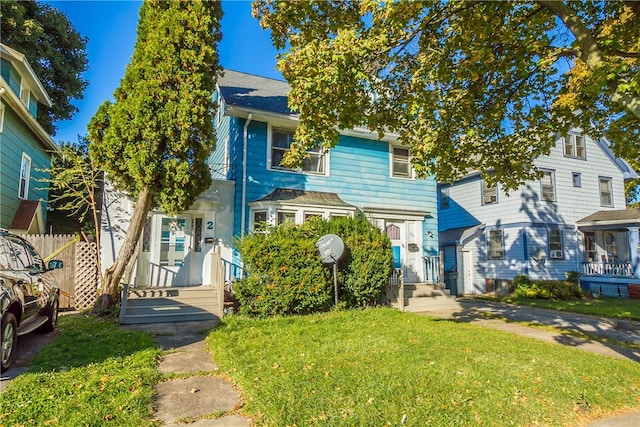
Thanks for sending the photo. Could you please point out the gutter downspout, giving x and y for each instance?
(243, 201)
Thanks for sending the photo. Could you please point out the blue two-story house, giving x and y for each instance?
(361, 174)
(252, 190)
(25, 147)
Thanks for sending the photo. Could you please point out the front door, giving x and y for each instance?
(166, 252)
(406, 254)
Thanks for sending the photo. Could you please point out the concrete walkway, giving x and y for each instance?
(197, 397)
(194, 396)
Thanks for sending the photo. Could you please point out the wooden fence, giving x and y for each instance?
(78, 278)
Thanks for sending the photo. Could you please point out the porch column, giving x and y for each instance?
(634, 251)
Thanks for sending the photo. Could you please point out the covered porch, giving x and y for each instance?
(611, 265)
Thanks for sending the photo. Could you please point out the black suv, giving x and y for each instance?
(28, 294)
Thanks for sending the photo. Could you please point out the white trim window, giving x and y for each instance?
(606, 191)
(574, 146)
(489, 194)
(548, 186)
(555, 244)
(496, 244)
(280, 141)
(576, 179)
(25, 174)
(259, 221)
(400, 162)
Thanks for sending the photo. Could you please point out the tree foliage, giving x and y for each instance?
(154, 139)
(55, 51)
(466, 85)
(75, 188)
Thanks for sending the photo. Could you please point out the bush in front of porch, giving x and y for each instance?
(546, 289)
(286, 275)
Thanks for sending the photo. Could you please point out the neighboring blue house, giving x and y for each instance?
(574, 219)
(251, 190)
(25, 147)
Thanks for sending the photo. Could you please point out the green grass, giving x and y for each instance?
(379, 367)
(93, 374)
(615, 308)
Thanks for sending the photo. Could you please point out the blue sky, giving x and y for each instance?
(111, 27)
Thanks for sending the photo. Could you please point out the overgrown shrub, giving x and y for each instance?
(546, 289)
(286, 275)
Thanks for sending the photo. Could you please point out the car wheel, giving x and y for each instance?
(9, 339)
(52, 317)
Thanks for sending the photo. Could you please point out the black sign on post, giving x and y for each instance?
(331, 248)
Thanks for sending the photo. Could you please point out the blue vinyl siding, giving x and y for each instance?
(16, 139)
(358, 172)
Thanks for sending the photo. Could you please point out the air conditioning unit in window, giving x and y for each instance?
(556, 254)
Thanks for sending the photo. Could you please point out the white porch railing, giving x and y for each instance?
(611, 269)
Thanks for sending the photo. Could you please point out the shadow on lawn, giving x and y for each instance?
(600, 329)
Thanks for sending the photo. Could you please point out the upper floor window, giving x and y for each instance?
(25, 172)
(555, 244)
(489, 194)
(281, 141)
(444, 197)
(574, 146)
(401, 162)
(548, 186)
(606, 192)
(577, 179)
(496, 244)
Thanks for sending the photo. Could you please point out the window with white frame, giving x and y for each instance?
(555, 244)
(610, 246)
(281, 140)
(489, 193)
(286, 218)
(496, 244)
(401, 162)
(576, 179)
(606, 192)
(548, 186)
(574, 146)
(260, 221)
(308, 216)
(25, 173)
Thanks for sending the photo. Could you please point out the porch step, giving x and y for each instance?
(178, 304)
(425, 297)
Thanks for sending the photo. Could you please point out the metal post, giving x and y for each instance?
(335, 281)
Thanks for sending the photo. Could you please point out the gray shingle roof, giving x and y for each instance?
(305, 197)
(621, 216)
(254, 92)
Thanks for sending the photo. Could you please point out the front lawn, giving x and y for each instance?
(615, 308)
(94, 374)
(382, 367)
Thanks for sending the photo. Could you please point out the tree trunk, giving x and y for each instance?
(114, 274)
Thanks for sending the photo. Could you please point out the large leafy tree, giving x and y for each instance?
(55, 51)
(466, 85)
(154, 139)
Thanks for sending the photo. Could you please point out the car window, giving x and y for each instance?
(20, 256)
(5, 255)
(37, 262)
